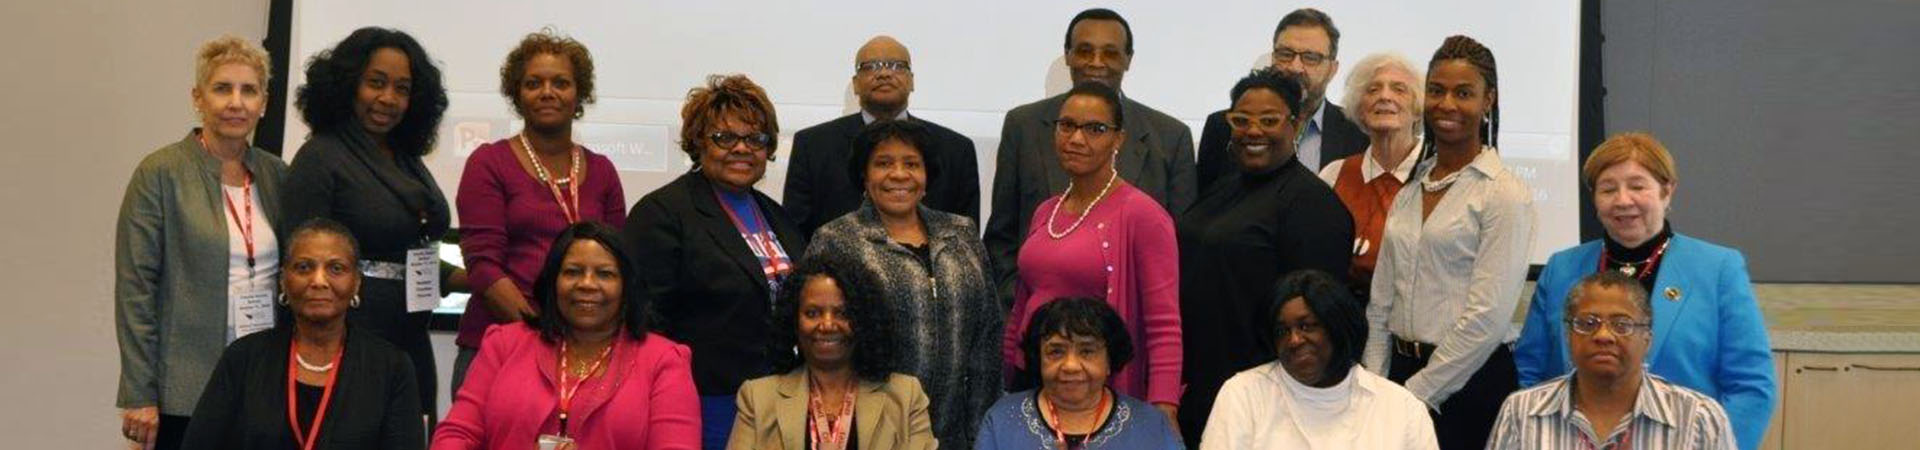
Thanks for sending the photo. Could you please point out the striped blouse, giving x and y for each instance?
(1664, 416)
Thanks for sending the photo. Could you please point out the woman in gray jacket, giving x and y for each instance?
(195, 255)
(931, 267)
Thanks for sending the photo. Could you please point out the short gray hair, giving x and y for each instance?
(1609, 279)
(1369, 67)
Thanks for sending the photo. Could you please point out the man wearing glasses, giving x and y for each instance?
(1610, 401)
(1305, 44)
(1157, 156)
(819, 188)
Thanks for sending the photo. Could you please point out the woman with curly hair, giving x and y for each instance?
(373, 102)
(834, 349)
(712, 249)
(517, 193)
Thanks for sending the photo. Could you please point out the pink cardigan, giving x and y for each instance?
(1142, 258)
(644, 399)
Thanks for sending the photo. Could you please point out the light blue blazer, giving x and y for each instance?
(1707, 331)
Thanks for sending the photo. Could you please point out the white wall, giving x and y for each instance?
(90, 87)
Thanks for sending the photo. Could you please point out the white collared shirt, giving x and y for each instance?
(1452, 279)
(867, 118)
(1264, 407)
(1664, 415)
(1371, 167)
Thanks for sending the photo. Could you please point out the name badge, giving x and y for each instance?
(248, 311)
(423, 279)
(552, 442)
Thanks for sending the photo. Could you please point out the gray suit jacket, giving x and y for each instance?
(170, 271)
(773, 414)
(1157, 158)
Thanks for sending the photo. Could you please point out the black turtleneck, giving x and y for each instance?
(1240, 236)
(1618, 254)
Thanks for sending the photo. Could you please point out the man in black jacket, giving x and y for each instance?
(818, 187)
(1307, 45)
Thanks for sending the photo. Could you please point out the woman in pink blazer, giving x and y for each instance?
(584, 375)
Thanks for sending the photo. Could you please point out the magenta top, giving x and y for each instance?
(1125, 252)
(508, 218)
(643, 399)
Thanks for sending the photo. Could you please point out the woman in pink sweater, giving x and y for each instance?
(1103, 238)
(585, 375)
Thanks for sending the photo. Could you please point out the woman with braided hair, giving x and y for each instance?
(1453, 256)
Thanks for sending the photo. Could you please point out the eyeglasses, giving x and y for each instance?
(726, 140)
(1310, 59)
(1243, 121)
(1619, 326)
(1093, 130)
(875, 67)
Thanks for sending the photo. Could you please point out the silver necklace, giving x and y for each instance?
(1083, 213)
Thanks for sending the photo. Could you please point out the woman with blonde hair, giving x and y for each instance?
(195, 254)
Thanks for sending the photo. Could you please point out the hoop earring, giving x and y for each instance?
(281, 299)
(355, 302)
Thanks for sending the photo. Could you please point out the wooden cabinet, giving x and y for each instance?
(1849, 401)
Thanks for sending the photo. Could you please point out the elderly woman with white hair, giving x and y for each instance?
(1384, 96)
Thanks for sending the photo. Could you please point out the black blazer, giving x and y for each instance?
(1339, 138)
(376, 404)
(706, 286)
(819, 189)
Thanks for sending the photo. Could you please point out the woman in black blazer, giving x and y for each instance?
(374, 101)
(712, 250)
(350, 390)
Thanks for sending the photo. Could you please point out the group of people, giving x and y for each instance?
(1282, 291)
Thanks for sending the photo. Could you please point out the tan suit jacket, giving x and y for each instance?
(773, 414)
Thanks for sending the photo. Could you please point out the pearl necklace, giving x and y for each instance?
(541, 169)
(310, 366)
(1083, 213)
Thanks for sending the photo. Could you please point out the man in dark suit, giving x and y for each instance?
(1157, 157)
(1307, 45)
(819, 189)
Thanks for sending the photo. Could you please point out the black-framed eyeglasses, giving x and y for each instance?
(875, 67)
(1619, 326)
(1094, 130)
(1311, 59)
(1243, 121)
(727, 140)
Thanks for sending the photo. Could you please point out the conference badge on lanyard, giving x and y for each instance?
(423, 279)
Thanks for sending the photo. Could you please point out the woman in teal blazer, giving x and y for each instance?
(1708, 334)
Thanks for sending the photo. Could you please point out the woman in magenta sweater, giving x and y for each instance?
(518, 193)
(1103, 238)
(586, 374)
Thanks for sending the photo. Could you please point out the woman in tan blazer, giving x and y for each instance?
(834, 357)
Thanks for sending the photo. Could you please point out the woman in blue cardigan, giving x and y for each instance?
(1708, 334)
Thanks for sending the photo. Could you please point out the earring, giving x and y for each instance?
(282, 299)
(355, 302)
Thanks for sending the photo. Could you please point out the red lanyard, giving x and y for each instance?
(763, 242)
(836, 429)
(574, 180)
(568, 389)
(572, 193)
(305, 441)
(1061, 436)
(245, 223)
